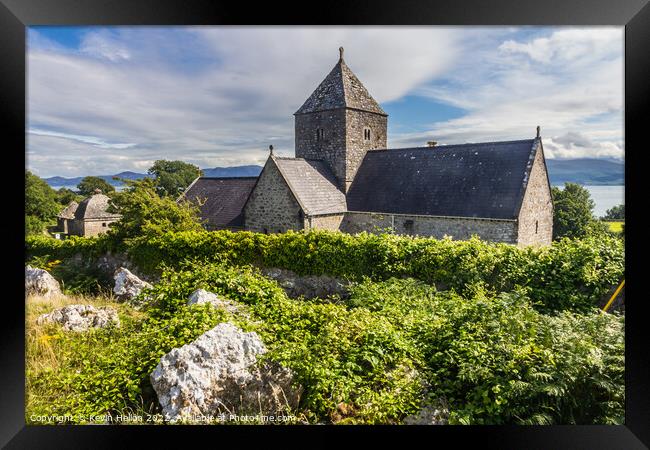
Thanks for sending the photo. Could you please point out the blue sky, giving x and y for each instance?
(102, 100)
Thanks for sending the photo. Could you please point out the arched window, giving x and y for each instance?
(320, 134)
(366, 134)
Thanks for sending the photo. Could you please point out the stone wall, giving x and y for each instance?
(331, 148)
(62, 224)
(438, 227)
(356, 144)
(272, 208)
(536, 214)
(94, 227)
(330, 222)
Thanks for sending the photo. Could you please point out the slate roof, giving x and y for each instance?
(94, 207)
(68, 211)
(313, 185)
(485, 180)
(340, 89)
(225, 199)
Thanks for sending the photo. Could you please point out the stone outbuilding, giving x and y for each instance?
(91, 217)
(66, 216)
(345, 178)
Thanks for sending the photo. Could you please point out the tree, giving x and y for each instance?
(144, 212)
(572, 212)
(88, 185)
(615, 213)
(65, 196)
(41, 206)
(172, 177)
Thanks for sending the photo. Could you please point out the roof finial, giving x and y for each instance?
(340, 53)
(537, 131)
(270, 149)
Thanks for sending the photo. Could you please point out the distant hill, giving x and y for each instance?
(587, 171)
(237, 171)
(73, 182)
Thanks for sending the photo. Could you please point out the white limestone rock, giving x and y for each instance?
(81, 317)
(128, 286)
(201, 296)
(40, 282)
(437, 414)
(217, 374)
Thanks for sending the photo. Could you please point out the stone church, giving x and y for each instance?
(344, 178)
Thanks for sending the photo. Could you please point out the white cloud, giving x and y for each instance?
(570, 83)
(569, 45)
(103, 44)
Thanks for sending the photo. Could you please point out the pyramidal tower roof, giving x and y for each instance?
(340, 89)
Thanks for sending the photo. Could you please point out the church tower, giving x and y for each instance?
(339, 123)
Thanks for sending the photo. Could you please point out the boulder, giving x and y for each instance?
(40, 282)
(309, 286)
(201, 296)
(218, 374)
(81, 317)
(127, 285)
(436, 414)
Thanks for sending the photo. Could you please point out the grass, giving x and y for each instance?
(45, 348)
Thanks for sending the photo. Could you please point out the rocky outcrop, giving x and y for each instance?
(40, 282)
(201, 296)
(218, 374)
(436, 414)
(81, 317)
(128, 286)
(309, 286)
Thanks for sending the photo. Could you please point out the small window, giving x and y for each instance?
(266, 231)
(103, 224)
(536, 226)
(366, 134)
(320, 134)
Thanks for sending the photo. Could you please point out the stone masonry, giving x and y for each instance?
(271, 207)
(536, 214)
(458, 228)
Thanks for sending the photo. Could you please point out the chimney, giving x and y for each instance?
(431, 143)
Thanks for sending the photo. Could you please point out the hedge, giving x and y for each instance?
(569, 274)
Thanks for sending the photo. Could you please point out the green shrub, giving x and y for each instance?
(498, 361)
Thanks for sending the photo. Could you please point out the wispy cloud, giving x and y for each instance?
(95, 141)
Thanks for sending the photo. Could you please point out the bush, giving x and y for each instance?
(498, 361)
(570, 274)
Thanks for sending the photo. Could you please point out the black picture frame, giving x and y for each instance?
(16, 15)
